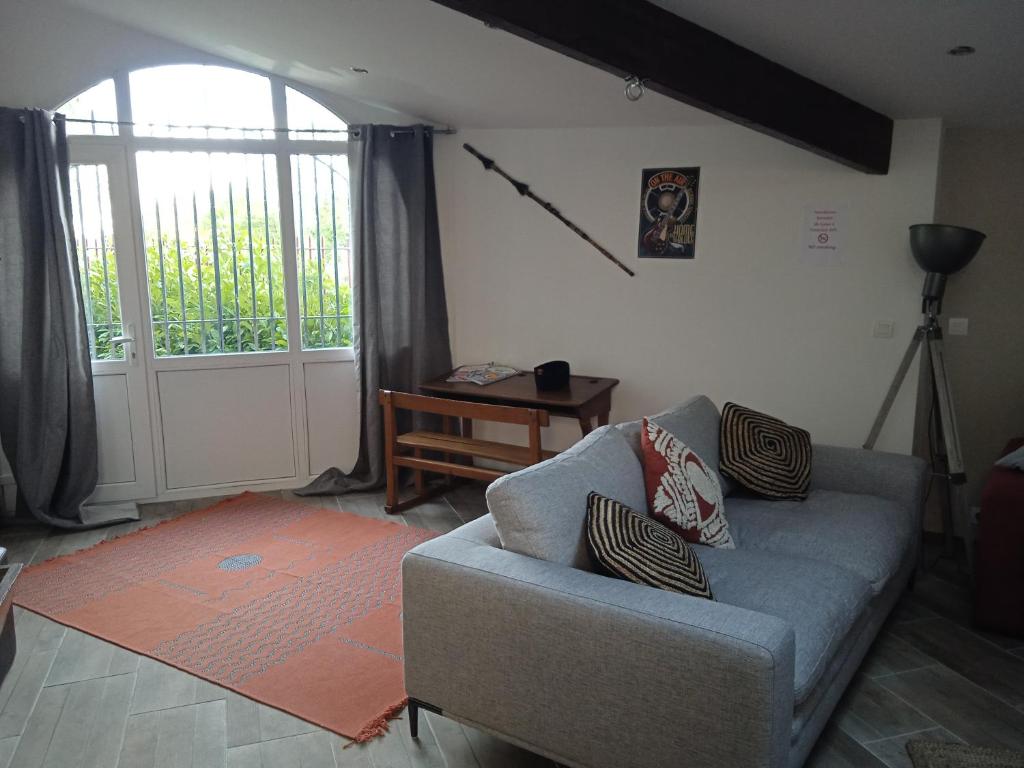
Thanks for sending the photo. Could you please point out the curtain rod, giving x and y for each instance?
(432, 128)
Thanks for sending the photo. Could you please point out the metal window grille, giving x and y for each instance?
(97, 261)
(211, 220)
(320, 189)
(214, 265)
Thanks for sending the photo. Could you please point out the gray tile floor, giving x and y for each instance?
(72, 700)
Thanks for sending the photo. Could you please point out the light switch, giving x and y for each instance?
(958, 326)
(884, 329)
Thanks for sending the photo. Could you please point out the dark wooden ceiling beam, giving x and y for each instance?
(697, 67)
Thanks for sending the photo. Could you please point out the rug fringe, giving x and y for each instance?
(379, 726)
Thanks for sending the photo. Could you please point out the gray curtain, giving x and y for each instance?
(401, 315)
(47, 412)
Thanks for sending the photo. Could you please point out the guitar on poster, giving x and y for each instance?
(668, 213)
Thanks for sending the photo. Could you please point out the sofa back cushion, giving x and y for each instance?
(696, 423)
(541, 511)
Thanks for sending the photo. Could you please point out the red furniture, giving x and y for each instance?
(999, 565)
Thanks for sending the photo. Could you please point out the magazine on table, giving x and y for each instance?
(482, 373)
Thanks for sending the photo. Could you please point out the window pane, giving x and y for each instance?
(309, 120)
(201, 102)
(97, 263)
(320, 192)
(212, 231)
(97, 103)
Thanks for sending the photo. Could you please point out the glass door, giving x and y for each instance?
(110, 288)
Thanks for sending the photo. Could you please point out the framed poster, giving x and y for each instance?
(668, 213)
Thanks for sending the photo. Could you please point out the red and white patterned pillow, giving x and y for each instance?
(682, 492)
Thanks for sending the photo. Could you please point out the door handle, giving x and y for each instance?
(127, 340)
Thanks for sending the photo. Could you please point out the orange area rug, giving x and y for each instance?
(293, 606)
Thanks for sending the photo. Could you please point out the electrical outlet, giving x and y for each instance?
(884, 329)
(958, 326)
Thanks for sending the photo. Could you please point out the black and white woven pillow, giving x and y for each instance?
(642, 550)
(763, 454)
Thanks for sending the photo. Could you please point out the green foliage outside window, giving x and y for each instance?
(102, 327)
(246, 326)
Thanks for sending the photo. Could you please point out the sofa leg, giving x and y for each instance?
(415, 705)
(414, 718)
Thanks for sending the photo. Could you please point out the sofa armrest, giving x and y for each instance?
(893, 476)
(591, 670)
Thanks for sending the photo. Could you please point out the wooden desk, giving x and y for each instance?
(585, 398)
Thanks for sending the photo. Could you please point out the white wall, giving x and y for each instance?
(749, 320)
(51, 51)
(979, 186)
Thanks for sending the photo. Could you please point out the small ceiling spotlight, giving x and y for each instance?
(359, 70)
(961, 50)
(635, 88)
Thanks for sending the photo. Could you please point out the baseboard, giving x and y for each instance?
(8, 491)
(228, 489)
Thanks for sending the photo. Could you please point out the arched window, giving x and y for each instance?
(307, 119)
(243, 195)
(93, 112)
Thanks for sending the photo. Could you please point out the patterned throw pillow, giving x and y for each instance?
(682, 492)
(765, 455)
(638, 549)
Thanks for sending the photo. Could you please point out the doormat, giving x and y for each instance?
(293, 606)
(940, 754)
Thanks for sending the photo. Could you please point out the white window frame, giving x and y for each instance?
(282, 147)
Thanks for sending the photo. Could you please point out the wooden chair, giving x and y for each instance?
(406, 450)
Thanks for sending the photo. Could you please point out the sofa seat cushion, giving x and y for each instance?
(541, 511)
(822, 602)
(864, 534)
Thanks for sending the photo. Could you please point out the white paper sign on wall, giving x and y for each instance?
(821, 237)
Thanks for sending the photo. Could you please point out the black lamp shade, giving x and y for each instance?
(944, 248)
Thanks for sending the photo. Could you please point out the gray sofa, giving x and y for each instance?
(509, 629)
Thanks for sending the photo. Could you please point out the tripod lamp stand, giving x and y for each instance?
(940, 250)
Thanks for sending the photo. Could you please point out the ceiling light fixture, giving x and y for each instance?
(961, 50)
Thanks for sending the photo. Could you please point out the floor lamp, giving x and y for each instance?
(940, 250)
